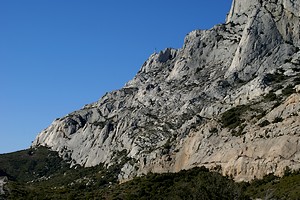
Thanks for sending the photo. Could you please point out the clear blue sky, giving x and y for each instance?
(58, 55)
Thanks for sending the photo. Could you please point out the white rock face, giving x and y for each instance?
(3, 181)
(170, 116)
(241, 10)
(260, 151)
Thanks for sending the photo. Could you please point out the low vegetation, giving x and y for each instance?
(232, 117)
(277, 77)
(288, 90)
(273, 187)
(31, 164)
(264, 123)
(197, 183)
(99, 183)
(41, 174)
(271, 96)
(236, 118)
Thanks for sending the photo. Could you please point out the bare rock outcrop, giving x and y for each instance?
(3, 181)
(227, 100)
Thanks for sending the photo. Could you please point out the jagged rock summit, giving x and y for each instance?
(227, 100)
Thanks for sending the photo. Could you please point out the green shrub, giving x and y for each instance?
(276, 104)
(288, 60)
(271, 96)
(213, 130)
(288, 90)
(273, 187)
(296, 80)
(276, 77)
(232, 117)
(196, 183)
(264, 123)
(277, 120)
(261, 114)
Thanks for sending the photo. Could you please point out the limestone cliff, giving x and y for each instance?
(228, 98)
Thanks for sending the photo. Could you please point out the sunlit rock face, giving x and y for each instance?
(173, 114)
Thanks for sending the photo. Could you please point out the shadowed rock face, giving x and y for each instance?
(171, 116)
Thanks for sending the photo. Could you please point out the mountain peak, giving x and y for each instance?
(226, 99)
(243, 9)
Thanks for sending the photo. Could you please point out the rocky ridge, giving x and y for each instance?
(227, 100)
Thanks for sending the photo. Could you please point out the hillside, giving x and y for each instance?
(228, 98)
(42, 174)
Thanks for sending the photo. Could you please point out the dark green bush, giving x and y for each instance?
(213, 130)
(232, 117)
(273, 187)
(276, 77)
(196, 183)
(288, 90)
(264, 123)
(277, 120)
(296, 80)
(271, 96)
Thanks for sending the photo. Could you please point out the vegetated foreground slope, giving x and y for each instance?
(227, 98)
(42, 174)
